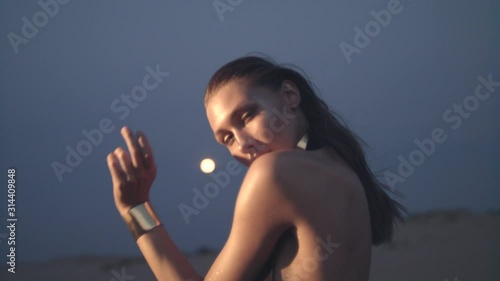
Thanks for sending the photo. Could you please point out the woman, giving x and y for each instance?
(309, 208)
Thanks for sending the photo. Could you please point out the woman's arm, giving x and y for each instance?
(132, 177)
(163, 257)
(262, 214)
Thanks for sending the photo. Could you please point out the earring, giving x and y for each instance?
(302, 144)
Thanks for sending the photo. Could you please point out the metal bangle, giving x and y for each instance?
(141, 219)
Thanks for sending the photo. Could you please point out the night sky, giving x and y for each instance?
(415, 78)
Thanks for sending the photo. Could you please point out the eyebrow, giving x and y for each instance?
(241, 107)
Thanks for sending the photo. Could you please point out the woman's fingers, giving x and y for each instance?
(133, 147)
(125, 163)
(117, 174)
(147, 152)
(132, 172)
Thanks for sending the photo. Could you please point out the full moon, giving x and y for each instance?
(207, 165)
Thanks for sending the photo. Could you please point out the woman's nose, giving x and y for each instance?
(245, 143)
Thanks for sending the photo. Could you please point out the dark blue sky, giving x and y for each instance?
(398, 87)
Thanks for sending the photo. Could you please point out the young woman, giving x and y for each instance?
(309, 207)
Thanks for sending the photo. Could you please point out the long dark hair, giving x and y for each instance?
(324, 128)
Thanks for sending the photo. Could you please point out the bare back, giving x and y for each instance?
(299, 215)
(331, 237)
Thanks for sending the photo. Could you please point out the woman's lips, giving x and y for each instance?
(259, 154)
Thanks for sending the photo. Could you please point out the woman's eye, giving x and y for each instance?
(247, 115)
(227, 138)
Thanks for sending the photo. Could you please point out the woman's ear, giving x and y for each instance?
(291, 94)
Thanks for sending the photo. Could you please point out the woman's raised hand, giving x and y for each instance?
(133, 173)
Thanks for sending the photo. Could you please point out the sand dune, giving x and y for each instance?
(441, 245)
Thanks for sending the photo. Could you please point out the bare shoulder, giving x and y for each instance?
(315, 196)
(296, 168)
(266, 180)
(308, 183)
(276, 170)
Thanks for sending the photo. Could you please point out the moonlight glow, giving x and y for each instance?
(207, 165)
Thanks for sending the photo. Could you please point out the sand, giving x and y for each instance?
(442, 245)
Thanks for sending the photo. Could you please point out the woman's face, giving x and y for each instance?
(251, 121)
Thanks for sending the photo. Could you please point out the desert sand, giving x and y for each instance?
(455, 245)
